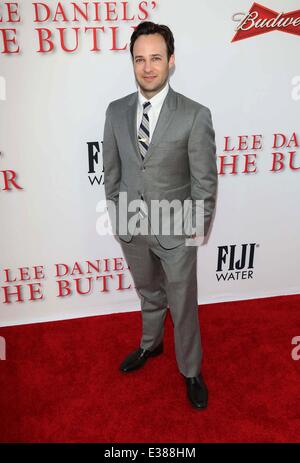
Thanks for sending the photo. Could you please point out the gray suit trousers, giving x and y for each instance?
(165, 277)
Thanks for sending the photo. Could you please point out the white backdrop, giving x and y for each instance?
(52, 107)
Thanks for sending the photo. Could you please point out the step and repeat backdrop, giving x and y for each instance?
(61, 63)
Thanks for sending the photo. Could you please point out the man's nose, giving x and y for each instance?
(147, 66)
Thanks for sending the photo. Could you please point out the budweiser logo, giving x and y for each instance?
(260, 20)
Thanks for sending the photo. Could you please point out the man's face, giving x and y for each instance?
(150, 63)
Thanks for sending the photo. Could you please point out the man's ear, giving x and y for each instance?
(171, 61)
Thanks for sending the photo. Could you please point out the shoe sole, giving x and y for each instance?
(203, 407)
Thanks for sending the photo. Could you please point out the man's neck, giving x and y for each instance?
(150, 95)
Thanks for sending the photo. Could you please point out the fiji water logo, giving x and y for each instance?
(236, 262)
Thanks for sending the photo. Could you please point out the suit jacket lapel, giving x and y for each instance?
(164, 120)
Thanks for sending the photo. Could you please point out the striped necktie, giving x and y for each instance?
(144, 131)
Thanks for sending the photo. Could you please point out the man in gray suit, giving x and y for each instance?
(159, 145)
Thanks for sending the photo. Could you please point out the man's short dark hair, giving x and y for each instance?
(147, 28)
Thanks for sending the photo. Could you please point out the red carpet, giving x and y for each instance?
(60, 382)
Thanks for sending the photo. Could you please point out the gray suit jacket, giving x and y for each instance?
(180, 162)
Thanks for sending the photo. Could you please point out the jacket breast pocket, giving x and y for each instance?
(171, 144)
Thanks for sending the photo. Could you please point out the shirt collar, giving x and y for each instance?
(157, 99)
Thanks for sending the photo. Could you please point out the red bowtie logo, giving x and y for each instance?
(260, 20)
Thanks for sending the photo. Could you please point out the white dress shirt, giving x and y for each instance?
(153, 113)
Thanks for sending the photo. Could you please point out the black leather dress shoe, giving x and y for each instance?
(139, 357)
(197, 391)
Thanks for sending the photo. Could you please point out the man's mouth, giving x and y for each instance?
(149, 77)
